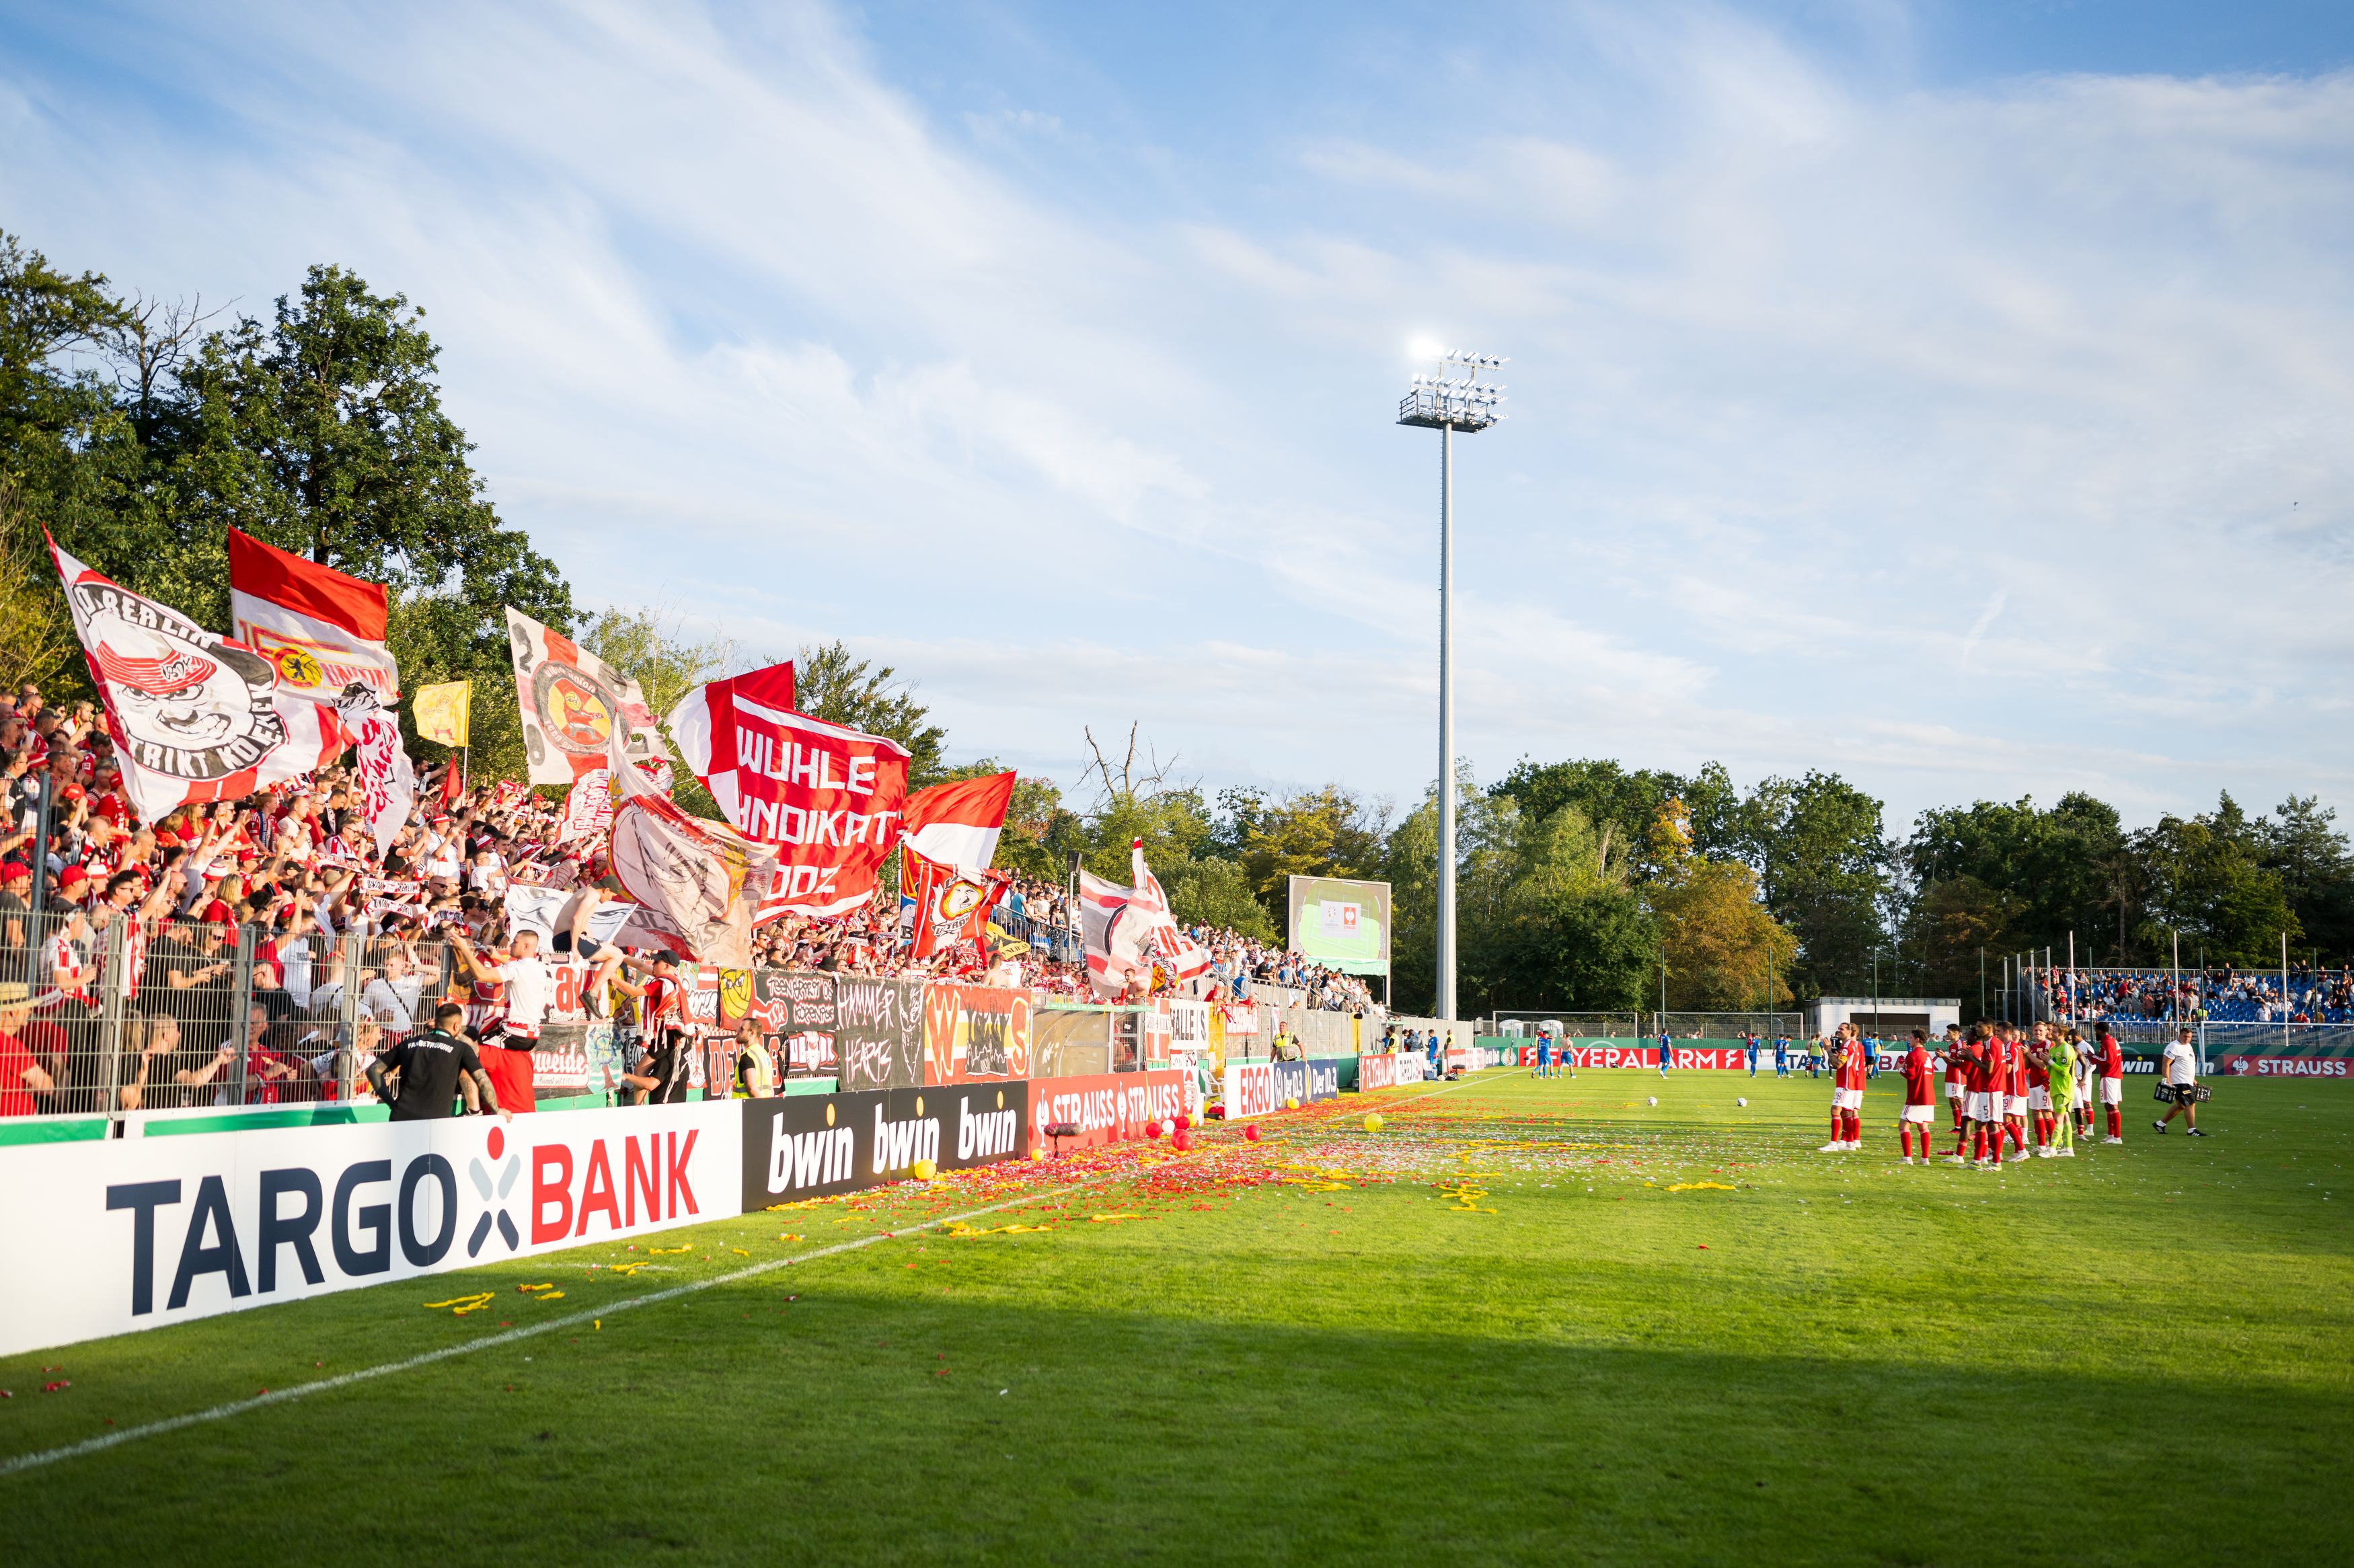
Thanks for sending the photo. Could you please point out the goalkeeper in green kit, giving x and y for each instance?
(2060, 1061)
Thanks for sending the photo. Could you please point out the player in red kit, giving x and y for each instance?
(1952, 1055)
(1982, 1104)
(1847, 1068)
(1920, 1098)
(2112, 1086)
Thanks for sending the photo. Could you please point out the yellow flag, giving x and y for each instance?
(441, 711)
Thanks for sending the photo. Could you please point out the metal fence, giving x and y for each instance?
(1649, 1026)
(112, 1018)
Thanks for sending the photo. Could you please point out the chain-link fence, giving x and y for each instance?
(1647, 1025)
(104, 1015)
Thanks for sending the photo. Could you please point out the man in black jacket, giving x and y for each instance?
(430, 1064)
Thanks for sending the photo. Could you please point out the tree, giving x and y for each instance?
(2298, 845)
(1623, 806)
(1817, 846)
(1544, 918)
(1722, 945)
(36, 637)
(2054, 869)
(829, 683)
(1316, 832)
(2207, 882)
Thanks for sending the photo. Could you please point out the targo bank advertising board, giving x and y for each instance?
(135, 1233)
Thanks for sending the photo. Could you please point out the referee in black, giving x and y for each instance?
(430, 1064)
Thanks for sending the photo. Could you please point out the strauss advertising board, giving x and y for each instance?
(808, 1146)
(136, 1232)
(1111, 1107)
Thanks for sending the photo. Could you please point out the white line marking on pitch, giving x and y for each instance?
(11, 1466)
(280, 1396)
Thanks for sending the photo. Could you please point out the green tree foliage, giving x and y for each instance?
(2052, 870)
(1624, 806)
(2298, 845)
(1724, 952)
(1825, 869)
(136, 439)
(2208, 881)
(1541, 919)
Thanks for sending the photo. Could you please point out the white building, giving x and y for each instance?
(1887, 1018)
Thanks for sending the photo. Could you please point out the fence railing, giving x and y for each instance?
(113, 1017)
(1634, 1025)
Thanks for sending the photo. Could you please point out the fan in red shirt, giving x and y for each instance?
(1848, 1066)
(1920, 1097)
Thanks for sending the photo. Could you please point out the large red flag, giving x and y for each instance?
(323, 631)
(195, 715)
(701, 876)
(828, 798)
(951, 904)
(958, 823)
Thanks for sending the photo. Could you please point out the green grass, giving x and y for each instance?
(2138, 1355)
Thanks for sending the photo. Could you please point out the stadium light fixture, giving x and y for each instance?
(1446, 403)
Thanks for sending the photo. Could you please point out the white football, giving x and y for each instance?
(1655, 1099)
(1740, 1102)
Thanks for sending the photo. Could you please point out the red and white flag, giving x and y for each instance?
(951, 904)
(588, 808)
(574, 704)
(322, 629)
(827, 798)
(1129, 930)
(387, 783)
(195, 715)
(701, 877)
(958, 823)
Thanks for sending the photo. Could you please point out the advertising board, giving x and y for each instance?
(808, 1146)
(1111, 1107)
(135, 1233)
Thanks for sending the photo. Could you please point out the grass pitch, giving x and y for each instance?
(1527, 1321)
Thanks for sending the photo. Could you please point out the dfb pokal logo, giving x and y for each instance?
(496, 1191)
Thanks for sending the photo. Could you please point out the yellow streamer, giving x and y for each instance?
(1703, 1187)
(463, 1303)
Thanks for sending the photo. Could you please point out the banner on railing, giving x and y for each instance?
(975, 1032)
(133, 1232)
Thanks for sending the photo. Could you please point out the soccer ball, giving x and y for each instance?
(1743, 1101)
(1373, 1122)
(1655, 1099)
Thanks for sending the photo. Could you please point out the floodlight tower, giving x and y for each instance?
(1454, 398)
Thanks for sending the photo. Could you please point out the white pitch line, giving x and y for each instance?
(324, 1385)
(15, 1463)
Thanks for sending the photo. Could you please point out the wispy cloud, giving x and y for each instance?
(1816, 373)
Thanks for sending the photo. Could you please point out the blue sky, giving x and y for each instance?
(1957, 396)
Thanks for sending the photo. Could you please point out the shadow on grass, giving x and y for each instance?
(864, 1426)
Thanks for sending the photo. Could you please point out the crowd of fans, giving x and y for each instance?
(2219, 995)
(346, 949)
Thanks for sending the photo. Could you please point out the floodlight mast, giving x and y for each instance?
(1447, 404)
